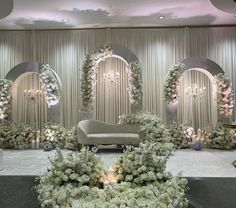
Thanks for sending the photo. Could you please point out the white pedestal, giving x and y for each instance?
(1, 159)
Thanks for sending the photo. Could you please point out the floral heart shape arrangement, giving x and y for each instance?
(75, 180)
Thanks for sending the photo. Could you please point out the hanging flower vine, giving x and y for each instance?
(225, 98)
(5, 97)
(88, 81)
(134, 82)
(50, 86)
(171, 84)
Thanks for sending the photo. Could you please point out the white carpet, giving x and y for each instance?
(206, 163)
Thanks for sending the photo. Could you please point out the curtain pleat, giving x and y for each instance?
(156, 49)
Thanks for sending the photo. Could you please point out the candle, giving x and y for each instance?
(33, 144)
(38, 136)
(199, 134)
(37, 144)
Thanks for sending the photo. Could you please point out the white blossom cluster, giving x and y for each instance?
(125, 195)
(50, 86)
(135, 82)
(15, 136)
(75, 170)
(142, 165)
(221, 138)
(140, 119)
(5, 97)
(172, 83)
(181, 135)
(225, 98)
(88, 80)
(58, 136)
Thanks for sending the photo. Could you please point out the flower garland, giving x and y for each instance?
(221, 138)
(5, 97)
(89, 69)
(88, 80)
(171, 84)
(225, 98)
(135, 82)
(181, 135)
(50, 86)
(58, 136)
(15, 136)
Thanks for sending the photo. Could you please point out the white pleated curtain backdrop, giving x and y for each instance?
(156, 49)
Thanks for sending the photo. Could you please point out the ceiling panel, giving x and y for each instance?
(48, 14)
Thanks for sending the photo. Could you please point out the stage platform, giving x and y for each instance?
(211, 176)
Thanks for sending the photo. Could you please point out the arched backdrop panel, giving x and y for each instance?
(113, 99)
(126, 55)
(210, 69)
(31, 111)
(15, 75)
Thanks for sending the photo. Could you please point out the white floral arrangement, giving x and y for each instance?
(142, 165)
(134, 82)
(221, 138)
(77, 171)
(15, 136)
(139, 119)
(151, 129)
(124, 195)
(51, 85)
(89, 70)
(181, 135)
(225, 97)
(74, 181)
(172, 83)
(5, 98)
(58, 136)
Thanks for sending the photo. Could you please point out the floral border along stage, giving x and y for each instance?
(171, 84)
(88, 80)
(5, 97)
(50, 86)
(225, 98)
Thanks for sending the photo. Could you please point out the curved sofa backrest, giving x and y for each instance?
(93, 127)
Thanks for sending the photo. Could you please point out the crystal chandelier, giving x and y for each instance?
(32, 94)
(195, 91)
(111, 77)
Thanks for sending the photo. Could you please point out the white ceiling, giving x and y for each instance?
(47, 14)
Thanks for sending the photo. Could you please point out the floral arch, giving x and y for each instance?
(221, 85)
(89, 70)
(51, 87)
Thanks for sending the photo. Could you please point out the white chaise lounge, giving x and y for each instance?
(92, 132)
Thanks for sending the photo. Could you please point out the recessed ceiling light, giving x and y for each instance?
(64, 20)
(234, 15)
(161, 17)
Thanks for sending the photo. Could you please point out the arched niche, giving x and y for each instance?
(22, 69)
(126, 55)
(206, 66)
